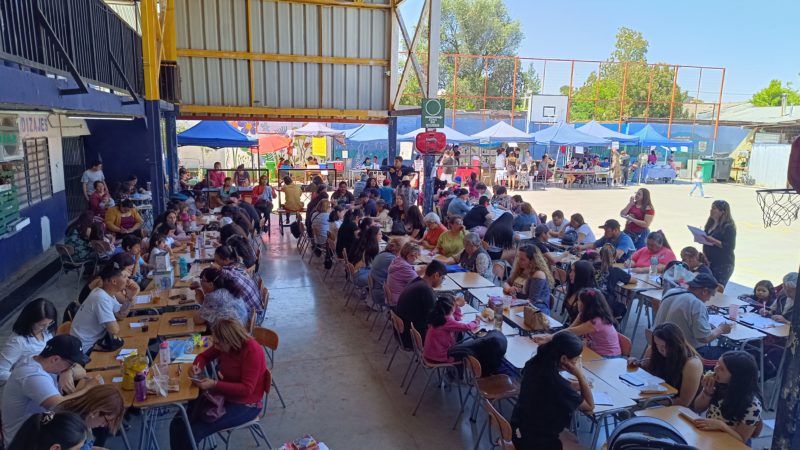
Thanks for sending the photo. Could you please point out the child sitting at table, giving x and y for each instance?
(443, 324)
(158, 246)
(781, 309)
(763, 296)
(595, 323)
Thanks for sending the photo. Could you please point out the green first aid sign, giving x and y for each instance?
(432, 113)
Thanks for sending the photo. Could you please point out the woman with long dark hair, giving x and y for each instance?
(595, 322)
(414, 223)
(347, 231)
(671, 358)
(531, 278)
(535, 427)
(500, 235)
(580, 276)
(731, 397)
(639, 214)
(35, 325)
(364, 250)
(721, 233)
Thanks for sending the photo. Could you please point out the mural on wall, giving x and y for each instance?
(301, 149)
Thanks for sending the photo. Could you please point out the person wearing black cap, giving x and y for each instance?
(687, 310)
(613, 235)
(32, 387)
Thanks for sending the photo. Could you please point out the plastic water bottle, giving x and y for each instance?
(653, 266)
(164, 356)
(183, 267)
(139, 387)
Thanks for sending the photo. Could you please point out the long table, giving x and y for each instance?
(694, 436)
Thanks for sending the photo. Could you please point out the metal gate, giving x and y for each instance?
(74, 165)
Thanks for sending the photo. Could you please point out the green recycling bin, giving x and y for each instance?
(708, 169)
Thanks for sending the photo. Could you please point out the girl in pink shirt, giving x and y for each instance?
(443, 324)
(595, 322)
(658, 247)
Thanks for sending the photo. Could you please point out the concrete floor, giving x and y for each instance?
(332, 372)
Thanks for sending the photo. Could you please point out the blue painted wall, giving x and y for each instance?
(27, 244)
(132, 147)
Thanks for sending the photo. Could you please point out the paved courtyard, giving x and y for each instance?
(760, 253)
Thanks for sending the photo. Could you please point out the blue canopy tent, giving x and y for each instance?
(648, 136)
(502, 132)
(594, 128)
(453, 136)
(215, 134)
(564, 134)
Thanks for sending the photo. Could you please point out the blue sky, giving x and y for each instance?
(755, 41)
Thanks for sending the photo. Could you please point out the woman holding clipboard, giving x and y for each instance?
(719, 241)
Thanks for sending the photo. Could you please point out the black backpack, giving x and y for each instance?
(295, 229)
(570, 238)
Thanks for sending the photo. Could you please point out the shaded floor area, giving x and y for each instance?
(331, 370)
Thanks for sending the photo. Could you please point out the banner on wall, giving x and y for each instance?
(319, 146)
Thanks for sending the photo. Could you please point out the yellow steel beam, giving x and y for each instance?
(250, 51)
(365, 114)
(170, 51)
(359, 5)
(313, 59)
(150, 47)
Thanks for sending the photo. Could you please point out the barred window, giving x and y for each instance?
(33, 180)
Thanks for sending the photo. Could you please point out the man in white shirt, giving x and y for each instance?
(97, 316)
(92, 174)
(32, 387)
(557, 223)
(500, 166)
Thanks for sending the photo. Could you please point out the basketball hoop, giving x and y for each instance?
(778, 205)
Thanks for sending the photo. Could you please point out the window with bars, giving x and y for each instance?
(33, 180)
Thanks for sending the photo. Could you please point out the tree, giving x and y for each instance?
(647, 89)
(466, 29)
(771, 95)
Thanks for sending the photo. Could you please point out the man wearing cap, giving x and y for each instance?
(460, 204)
(687, 310)
(613, 235)
(33, 387)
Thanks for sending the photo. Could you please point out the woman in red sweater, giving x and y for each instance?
(241, 380)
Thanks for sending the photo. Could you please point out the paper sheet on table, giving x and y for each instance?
(141, 299)
(754, 320)
(186, 358)
(699, 235)
(602, 398)
(717, 320)
(136, 324)
(116, 380)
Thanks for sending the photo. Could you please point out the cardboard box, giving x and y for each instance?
(164, 279)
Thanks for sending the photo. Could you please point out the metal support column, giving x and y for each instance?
(392, 140)
(427, 203)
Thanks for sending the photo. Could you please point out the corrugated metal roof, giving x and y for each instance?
(747, 112)
(283, 28)
(127, 10)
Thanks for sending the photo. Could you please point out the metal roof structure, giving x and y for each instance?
(748, 114)
(285, 59)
